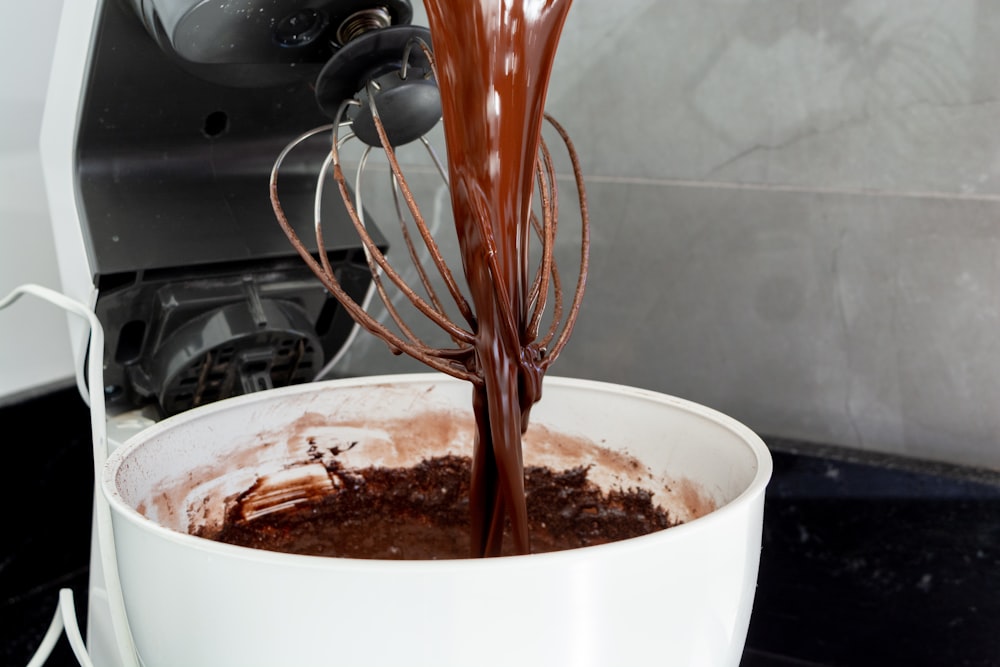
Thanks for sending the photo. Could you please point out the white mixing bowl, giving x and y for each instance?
(681, 596)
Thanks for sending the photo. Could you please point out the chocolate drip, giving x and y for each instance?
(494, 60)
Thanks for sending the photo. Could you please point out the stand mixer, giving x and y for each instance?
(165, 126)
(163, 121)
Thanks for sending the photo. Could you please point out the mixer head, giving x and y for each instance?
(270, 42)
(185, 107)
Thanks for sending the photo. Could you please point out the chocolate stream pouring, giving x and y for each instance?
(492, 61)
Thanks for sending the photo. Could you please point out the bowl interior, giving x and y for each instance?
(183, 472)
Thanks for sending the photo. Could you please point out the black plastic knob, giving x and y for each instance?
(406, 99)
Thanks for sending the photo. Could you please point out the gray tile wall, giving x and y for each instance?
(796, 210)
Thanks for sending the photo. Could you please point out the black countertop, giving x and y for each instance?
(867, 560)
(876, 560)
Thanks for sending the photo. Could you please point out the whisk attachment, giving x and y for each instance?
(458, 361)
(380, 89)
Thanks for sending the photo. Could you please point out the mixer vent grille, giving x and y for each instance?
(253, 364)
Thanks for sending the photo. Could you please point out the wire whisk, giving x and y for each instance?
(546, 284)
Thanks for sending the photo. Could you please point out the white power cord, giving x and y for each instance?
(65, 616)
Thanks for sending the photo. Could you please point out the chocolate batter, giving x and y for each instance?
(422, 513)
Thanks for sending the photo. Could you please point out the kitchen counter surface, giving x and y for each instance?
(867, 560)
(873, 560)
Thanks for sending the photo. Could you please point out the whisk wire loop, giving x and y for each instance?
(534, 291)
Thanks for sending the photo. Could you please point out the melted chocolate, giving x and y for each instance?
(493, 65)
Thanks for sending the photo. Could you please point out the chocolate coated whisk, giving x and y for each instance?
(363, 114)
